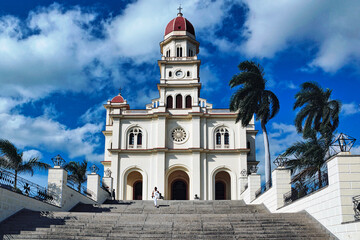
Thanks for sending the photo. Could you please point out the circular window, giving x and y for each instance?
(178, 135)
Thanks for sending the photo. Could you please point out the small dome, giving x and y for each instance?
(118, 99)
(179, 24)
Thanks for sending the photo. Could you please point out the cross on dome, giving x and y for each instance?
(180, 13)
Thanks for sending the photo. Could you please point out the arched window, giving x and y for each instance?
(135, 138)
(218, 139)
(226, 139)
(188, 102)
(188, 74)
(178, 101)
(139, 139)
(179, 51)
(169, 102)
(168, 53)
(222, 138)
(170, 74)
(131, 139)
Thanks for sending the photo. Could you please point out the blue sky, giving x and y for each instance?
(60, 61)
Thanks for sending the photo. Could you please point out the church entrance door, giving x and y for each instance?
(179, 189)
(220, 191)
(137, 191)
(222, 186)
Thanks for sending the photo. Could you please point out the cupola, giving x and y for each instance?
(179, 26)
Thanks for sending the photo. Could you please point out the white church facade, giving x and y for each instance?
(179, 143)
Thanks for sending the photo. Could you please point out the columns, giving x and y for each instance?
(344, 177)
(57, 180)
(108, 183)
(93, 184)
(254, 183)
(281, 178)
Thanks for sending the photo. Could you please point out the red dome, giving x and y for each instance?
(117, 99)
(179, 24)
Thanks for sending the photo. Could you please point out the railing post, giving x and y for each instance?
(281, 178)
(254, 183)
(93, 184)
(57, 180)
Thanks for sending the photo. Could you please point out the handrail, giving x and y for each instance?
(83, 190)
(263, 188)
(25, 187)
(303, 188)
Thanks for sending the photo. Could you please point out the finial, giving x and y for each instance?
(120, 91)
(179, 13)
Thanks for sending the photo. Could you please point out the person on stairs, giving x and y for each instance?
(155, 195)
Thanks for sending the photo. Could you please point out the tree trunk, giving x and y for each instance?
(267, 153)
(15, 182)
(79, 187)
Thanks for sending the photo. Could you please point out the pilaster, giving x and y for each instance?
(195, 182)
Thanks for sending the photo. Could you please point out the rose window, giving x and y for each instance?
(178, 134)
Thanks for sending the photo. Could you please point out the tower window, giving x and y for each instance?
(191, 53)
(179, 52)
(178, 101)
(169, 102)
(168, 53)
(170, 74)
(188, 102)
(188, 73)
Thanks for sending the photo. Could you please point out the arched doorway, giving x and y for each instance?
(178, 185)
(179, 190)
(222, 186)
(134, 186)
(137, 190)
(220, 190)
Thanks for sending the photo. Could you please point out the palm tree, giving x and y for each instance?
(12, 158)
(319, 112)
(252, 98)
(309, 156)
(77, 172)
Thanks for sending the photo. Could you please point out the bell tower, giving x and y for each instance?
(179, 85)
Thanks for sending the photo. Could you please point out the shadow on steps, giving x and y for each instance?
(27, 220)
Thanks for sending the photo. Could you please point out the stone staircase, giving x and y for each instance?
(172, 220)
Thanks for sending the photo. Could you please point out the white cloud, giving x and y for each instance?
(350, 108)
(44, 133)
(31, 154)
(272, 26)
(95, 114)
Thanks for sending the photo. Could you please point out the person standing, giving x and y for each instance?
(113, 194)
(155, 196)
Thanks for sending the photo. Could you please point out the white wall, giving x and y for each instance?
(12, 202)
(332, 205)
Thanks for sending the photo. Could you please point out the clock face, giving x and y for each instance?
(178, 73)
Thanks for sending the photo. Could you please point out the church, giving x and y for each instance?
(179, 142)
